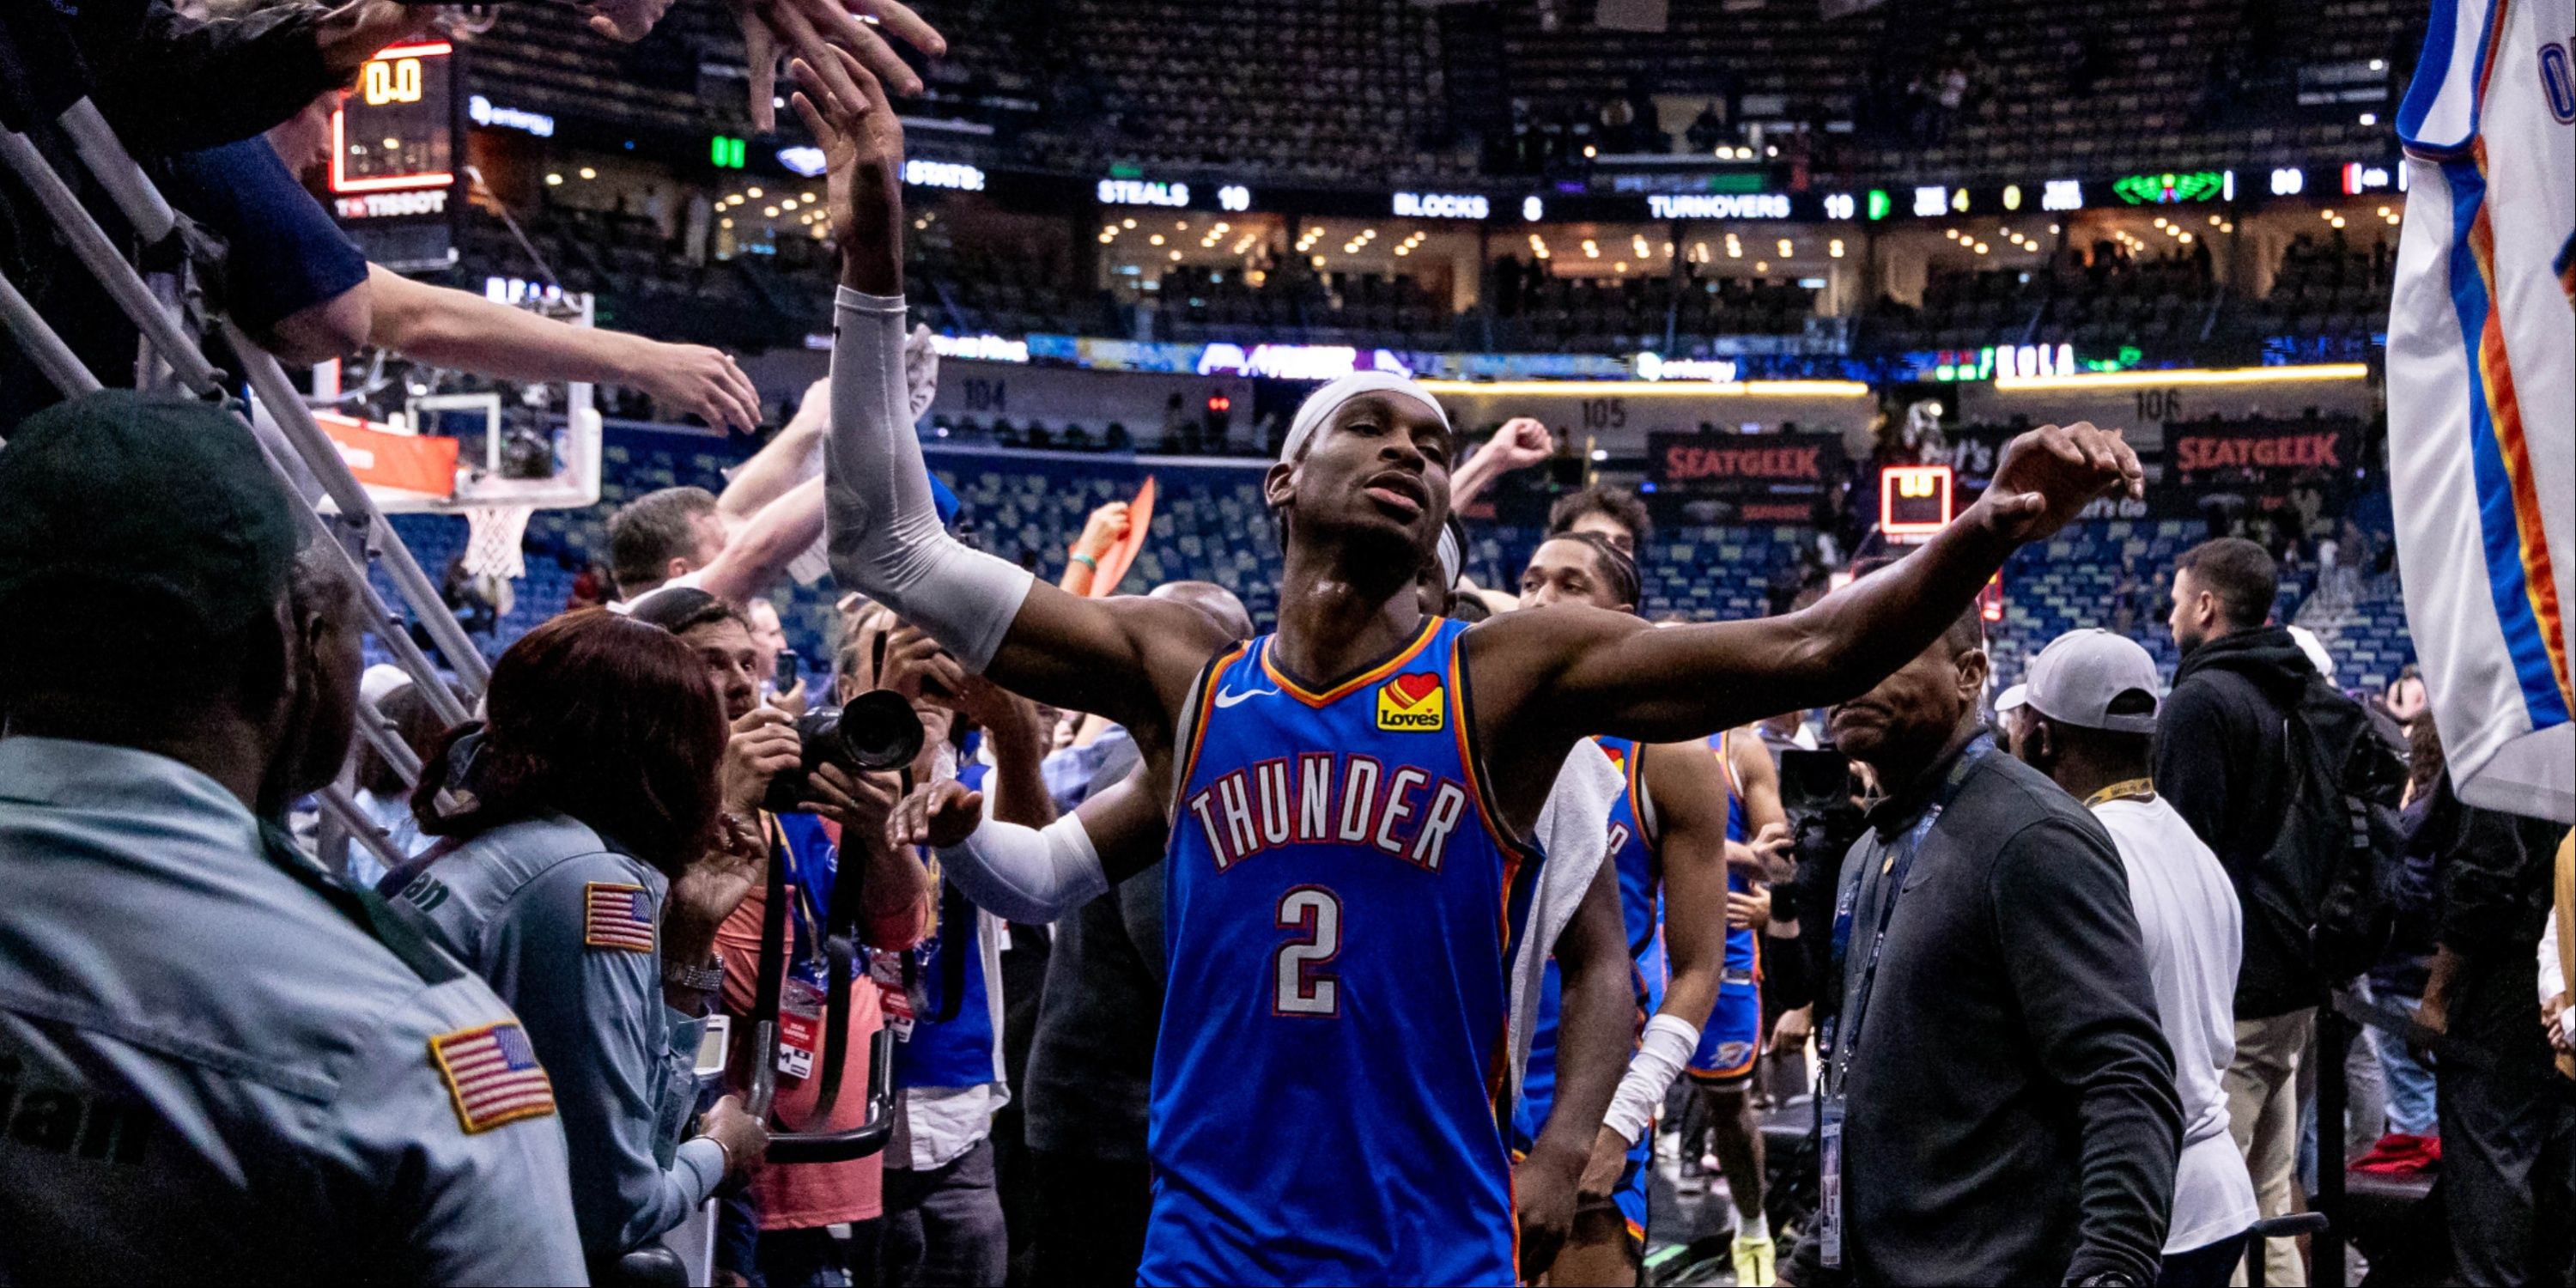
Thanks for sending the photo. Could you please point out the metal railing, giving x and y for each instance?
(297, 450)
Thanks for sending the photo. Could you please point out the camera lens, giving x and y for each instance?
(876, 730)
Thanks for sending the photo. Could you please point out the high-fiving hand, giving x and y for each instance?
(845, 108)
(810, 29)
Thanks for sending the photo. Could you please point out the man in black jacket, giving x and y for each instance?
(2508, 1128)
(2002, 1093)
(2221, 758)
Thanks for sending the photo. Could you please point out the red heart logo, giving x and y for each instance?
(1408, 690)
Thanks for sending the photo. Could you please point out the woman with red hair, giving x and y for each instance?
(584, 865)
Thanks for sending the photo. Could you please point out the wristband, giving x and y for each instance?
(721, 1148)
(1086, 561)
(1661, 1053)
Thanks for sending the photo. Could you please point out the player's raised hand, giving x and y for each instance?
(2050, 474)
(1521, 442)
(862, 142)
(810, 29)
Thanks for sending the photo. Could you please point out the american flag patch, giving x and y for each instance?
(616, 916)
(492, 1075)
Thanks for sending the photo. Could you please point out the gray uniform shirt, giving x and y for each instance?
(566, 929)
(210, 1073)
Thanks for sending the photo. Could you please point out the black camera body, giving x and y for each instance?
(876, 730)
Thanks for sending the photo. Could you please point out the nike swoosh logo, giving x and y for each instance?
(1227, 698)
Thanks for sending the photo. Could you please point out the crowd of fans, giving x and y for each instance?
(873, 959)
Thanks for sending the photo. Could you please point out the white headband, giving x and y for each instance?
(1321, 404)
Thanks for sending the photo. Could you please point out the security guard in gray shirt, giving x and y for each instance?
(216, 1062)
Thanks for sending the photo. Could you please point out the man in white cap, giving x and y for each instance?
(2087, 716)
(1350, 871)
(2012, 706)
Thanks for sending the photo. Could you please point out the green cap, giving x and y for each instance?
(166, 498)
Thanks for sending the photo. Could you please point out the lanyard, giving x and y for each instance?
(1891, 882)
(809, 936)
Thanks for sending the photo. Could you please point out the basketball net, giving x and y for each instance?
(492, 536)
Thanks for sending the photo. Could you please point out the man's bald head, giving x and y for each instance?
(1212, 599)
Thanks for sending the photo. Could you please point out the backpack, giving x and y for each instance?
(2341, 844)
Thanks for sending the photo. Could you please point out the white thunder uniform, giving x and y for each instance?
(2482, 393)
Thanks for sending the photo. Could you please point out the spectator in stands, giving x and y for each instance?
(173, 675)
(793, 1206)
(591, 587)
(1106, 527)
(170, 77)
(2404, 700)
(588, 873)
(2399, 977)
(677, 537)
(1988, 920)
(382, 795)
(2508, 1126)
(2221, 759)
(1613, 512)
(299, 286)
(769, 644)
(2091, 711)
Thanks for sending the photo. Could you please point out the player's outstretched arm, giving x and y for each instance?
(1128, 659)
(1035, 875)
(1578, 671)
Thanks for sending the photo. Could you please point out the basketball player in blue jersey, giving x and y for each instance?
(1351, 796)
(1721, 1069)
(1668, 841)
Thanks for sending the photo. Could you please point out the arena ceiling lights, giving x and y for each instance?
(2185, 376)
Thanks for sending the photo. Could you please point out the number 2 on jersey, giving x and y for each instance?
(1315, 913)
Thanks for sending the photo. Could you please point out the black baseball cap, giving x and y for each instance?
(160, 497)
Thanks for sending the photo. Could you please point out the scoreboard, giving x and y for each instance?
(396, 156)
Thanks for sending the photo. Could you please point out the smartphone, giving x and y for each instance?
(788, 663)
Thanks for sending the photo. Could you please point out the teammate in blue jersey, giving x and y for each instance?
(1668, 839)
(1721, 1069)
(1352, 796)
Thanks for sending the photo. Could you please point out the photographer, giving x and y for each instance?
(943, 1206)
(234, 1024)
(787, 1240)
(581, 810)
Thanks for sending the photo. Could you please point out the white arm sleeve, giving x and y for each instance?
(1028, 875)
(1669, 1041)
(883, 530)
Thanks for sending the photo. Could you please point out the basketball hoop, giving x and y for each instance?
(493, 534)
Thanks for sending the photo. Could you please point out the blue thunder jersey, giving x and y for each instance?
(1342, 910)
(1638, 859)
(1639, 863)
(1733, 1034)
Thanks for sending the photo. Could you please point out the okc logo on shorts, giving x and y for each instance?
(1412, 704)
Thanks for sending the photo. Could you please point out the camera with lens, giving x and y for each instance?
(1816, 791)
(876, 730)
